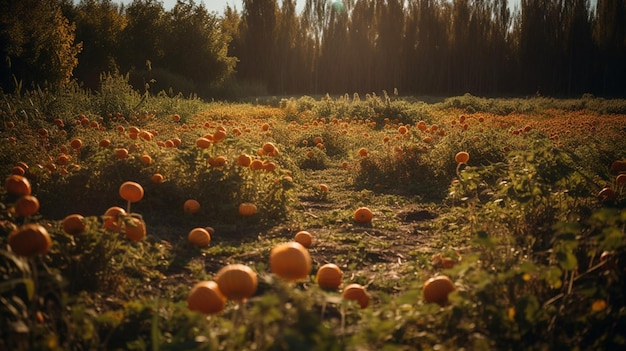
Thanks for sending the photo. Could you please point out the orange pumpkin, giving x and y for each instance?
(199, 237)
(247, 209)
(191, 206)
(26, 205)
(268, 148)
(135, 229)
(219, 135)
(157, 178)
(363, 215)
(29, 240)
(304, 238)
(244, 160)
(17, 185)
(462, 157)
(131, 191)
(112, 217)
(203, 143)
(363, 152)
(76, 144)
(145, 160)
(205, 297)
(356, 292)
(437, 289)
(290, 261)
(329, 276)
(606, 194)
(256, 165)
(237, 282)
(73, 224)
(121, 153)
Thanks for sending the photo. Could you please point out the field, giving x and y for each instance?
(519, 202)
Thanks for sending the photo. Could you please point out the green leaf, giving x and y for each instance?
(552, 276)
(612, 238)
(567, 260)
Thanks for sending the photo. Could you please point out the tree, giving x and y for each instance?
(195, 47)
(36, 43)
(99, 24)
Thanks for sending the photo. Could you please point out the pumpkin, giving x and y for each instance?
(356, 292)
(304, 238)
(244, 160)
(203, 143)
(135, 229)
(363, 152)
(290, 261)
(17, 185)
(131, 191)
(76, 144)
(26, 205)
(324, 188)
(268, 148)
(199, 237)
(237, 282)
(219, 135)
(191, 206)
(73, 224)
(620, 180)
(461, 157)
(145, 160)
(29, 240)
(606, 194)
(618, 166)
(121, 153)
(437, 289)
(363, 215)
(205, 297)
(112, 218)
(329, 276)
(157, 178)
(256, 165)
(247, 209)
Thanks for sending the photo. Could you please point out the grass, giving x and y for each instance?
(538, 259)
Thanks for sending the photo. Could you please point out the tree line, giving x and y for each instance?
(437, 47)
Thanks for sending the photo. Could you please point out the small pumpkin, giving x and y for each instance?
(17, 185)
(26, 205)
(304, 238)
(203, 143)
(461, 157)
(606, 194)
(244, 160)
(112, 218)
(199, 237)
(191, 206)
(363, 215)
(290, 261)
(135, 229)
(247, 209)
(205, 297)
(437, 289)
(237, 282)
(329, 276)
(356, 292)
(131, 191)
(73, 224)
(29, 240)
